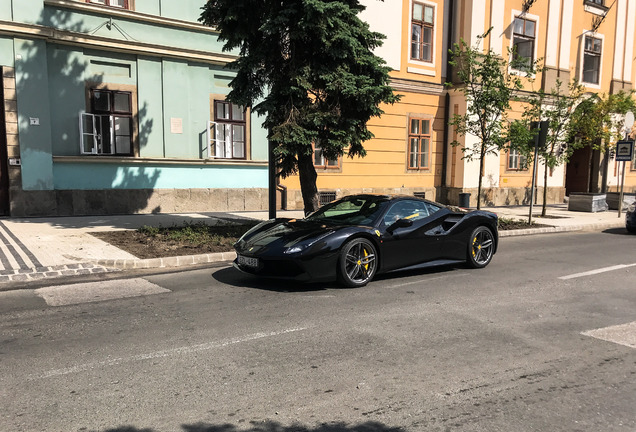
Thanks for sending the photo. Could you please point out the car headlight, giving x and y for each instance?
(302, 245)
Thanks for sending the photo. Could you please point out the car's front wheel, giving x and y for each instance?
(481, 247)
(357, 263)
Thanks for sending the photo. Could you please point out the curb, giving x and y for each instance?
(551, 230)
(167, 262)
(39, 273)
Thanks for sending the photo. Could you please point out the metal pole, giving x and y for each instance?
(534, 172)
(272, 180)
(620, 199)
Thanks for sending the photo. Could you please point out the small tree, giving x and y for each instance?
(488, 87)
(557, 108)
(598, 120)
(309, 67)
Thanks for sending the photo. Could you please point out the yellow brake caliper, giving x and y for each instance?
(478, 247)
(366, 254)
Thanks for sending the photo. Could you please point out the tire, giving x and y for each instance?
(357, 263)
(631, 229)
(481, 247)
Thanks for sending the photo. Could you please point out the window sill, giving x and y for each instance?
(130, 160)
(420, 71)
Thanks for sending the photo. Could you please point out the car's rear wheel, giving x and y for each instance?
(481, 247)
(357, 263)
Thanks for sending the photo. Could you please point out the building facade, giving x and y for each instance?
(118, 106)
(590, 40)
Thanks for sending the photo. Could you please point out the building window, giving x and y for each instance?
(228, 131)
(320, 161)
(596, 2)
(422, 26)
(419, 143)
(592, 60)
(523, 42)
(112, 3)
(108, 128)
(516, 161)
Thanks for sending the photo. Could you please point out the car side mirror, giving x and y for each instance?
(400, 223)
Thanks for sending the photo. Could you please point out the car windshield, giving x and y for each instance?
(355, 210)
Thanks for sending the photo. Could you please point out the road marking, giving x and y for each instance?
(597, 271)
(624, 334)
(165, 353)
(62, 295)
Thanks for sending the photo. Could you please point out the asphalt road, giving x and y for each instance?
(542, 339)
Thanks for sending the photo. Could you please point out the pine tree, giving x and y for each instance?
(308, 66)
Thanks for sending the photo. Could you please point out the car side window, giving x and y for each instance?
(407, 209)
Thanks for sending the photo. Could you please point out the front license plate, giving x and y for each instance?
(247, 261)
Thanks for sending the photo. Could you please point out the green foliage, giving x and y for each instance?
(308, 66)
(598, 120)
(557, 108)
(488, 86)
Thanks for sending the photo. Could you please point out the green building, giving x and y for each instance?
(118, 106)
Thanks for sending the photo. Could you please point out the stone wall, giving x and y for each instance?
(490, 196)
(136, 201)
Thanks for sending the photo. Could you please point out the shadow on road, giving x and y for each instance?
(233, 277)
(274, 427)
(619, 231)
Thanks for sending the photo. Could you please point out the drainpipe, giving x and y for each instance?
(449, 72)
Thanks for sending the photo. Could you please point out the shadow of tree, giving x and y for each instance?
(52, 84)
(275, 427)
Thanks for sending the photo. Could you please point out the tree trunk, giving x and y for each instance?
(481, 176)
(307, 175)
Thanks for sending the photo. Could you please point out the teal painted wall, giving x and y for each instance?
(67, 96)
(185, 10)
(6, 10)
(124, 28)
(111, 176)
(25, 10)
(32, 88)
(186, 101)
(150, 97)
(6, 51)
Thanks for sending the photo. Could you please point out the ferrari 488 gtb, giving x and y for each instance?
(356, 237)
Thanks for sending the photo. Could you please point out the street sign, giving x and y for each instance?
(624, 151)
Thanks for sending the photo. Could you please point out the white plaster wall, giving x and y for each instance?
(386, 17)
(619, 48)
(566, 35)
(498, 30)
(551, 51)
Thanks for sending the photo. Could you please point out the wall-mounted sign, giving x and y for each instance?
(176, 125)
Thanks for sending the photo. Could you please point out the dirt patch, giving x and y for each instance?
(158, 242)
(153, 242)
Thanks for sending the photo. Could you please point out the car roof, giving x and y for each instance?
(391, 197)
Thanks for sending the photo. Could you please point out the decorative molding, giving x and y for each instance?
(400, 84)
(155, 161)
(66, 37)
(125, 13)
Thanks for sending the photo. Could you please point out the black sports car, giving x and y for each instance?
(630, 218)
(356, 237)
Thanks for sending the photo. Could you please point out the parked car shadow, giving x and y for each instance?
(233, 277)
(274, 427)
(619, 231)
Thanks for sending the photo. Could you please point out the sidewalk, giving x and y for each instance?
(38, 248)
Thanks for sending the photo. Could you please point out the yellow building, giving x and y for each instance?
(411, 151)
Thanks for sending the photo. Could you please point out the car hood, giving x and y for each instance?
(282, 235)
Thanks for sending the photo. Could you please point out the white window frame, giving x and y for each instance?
(436, 24)
(531, 17)
(582, 61)
(223, 147)
(96, 148)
